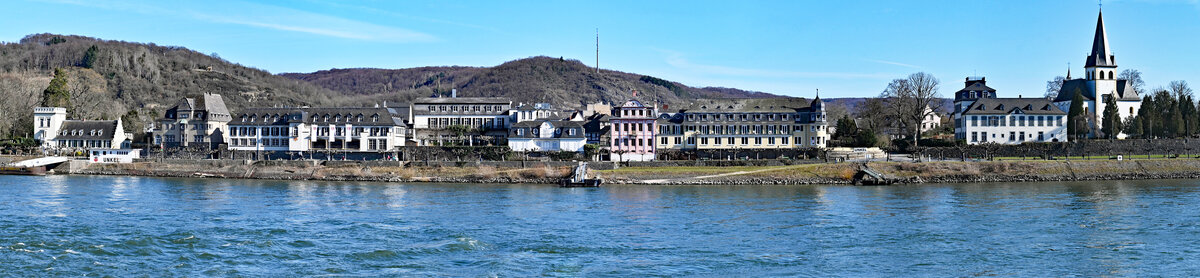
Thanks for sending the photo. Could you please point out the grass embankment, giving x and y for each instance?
(791, 174)
(345, 172)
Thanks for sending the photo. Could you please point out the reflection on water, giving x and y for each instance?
(131, 226)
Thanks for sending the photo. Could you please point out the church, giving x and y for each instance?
(1099, 84)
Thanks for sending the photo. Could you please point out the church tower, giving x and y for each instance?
(1101, 64)
(1099, 84)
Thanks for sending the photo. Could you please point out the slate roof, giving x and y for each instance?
(751, 105)
(1100, 56)
(1004, 106)
(318, 116)
(1125, 90)
(462, 100)
(977, 86)
(87, 130)
(213, 106)
(560, 126)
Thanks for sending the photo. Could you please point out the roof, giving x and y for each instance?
(462, 100)
(670, 118)
(745, 105)
(87, 130)
(557, 125)
(979, 85)
(320, 116)
(213, 106)
(1100, 56)
(1004, 106)
(1125, 90)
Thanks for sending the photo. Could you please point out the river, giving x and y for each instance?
(134, 226)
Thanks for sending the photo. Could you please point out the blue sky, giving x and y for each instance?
(845, 48)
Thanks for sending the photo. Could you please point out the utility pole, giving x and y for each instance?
(597, 50)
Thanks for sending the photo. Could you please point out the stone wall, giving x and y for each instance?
(1170, 147)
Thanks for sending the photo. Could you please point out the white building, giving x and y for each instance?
(547, 136)
(432, 118)
(51, 127)
(932, 120)
(1099, 84)
(377, 129)
(1013, 121)
(114, 155)
(975, 89)
(193, 122)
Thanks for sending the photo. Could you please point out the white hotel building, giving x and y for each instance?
(1013, 121)
(317, 129)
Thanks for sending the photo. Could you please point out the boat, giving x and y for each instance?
(18, 170)
(579, 178)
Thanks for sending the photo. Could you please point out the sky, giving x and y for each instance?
(793, 48)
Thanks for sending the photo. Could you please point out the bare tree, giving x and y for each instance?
(90, 98)
(1053, 86)
(1134, 77)
(869, 112)
(21, 92)
(911, 100)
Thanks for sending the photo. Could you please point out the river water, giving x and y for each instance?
(132, 226)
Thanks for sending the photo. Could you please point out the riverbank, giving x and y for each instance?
(817, 173)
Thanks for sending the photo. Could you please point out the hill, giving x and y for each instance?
(110, 79)
(563, 82)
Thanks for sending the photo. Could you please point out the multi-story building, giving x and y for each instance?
(434, 119)
(975, 89)
(1013, 121)
(632, 133)
(779, 123)
(193, 122)
(1099, 84)
(547, 136)
(378, 129)
(51, 127)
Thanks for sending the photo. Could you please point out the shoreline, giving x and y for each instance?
(903, 173)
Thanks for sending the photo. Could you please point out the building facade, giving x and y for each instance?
(193, 122)
(433, 119)
(51, 127)
(1013, 121)
(547, 136)
(632, 132)
(1099, 84)
(317, 130)
(781, 123)
(975, 89)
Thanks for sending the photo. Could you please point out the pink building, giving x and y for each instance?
(633, 126)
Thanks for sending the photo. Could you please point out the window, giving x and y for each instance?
(758, 140)
(974, 137)
(664, 141)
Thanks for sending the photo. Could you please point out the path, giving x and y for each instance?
(661, 181)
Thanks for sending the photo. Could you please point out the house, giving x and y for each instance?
(547, 136)
(1100, 84)
(975, 89)
(193, 122)
(632, 134)
(378, 129)
(52, 128)
(435, 119)
(774, 123)
(1013, 121)
(931, 121)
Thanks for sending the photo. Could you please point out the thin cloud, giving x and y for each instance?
(892, 63)
(267, 17)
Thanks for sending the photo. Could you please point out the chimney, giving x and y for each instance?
(453, 93)
(385, 104)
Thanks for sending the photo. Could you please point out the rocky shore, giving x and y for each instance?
(833, 173)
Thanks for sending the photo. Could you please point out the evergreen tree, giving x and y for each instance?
(56, 95)
(1075, 114)
(89, 57)
(1111, 125)
(846, 128)
(1146, 116)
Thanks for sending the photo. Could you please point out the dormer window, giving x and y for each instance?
(374, 118)
(100, 132)
(337, 118)
(243, 117)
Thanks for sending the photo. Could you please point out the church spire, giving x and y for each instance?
(1100, 55)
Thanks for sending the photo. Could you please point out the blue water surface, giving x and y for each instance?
(134, 226)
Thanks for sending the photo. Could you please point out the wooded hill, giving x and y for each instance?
(138, 81)
(563, 82)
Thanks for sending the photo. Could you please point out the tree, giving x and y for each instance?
(866, 138)
(89, 57)
(846, 128)
(1146, 117)
(1112, 118)
(1075, 114)
(911, 100)
(1053, 86)
(56, 95)
(1134, 77)
(871, 112)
